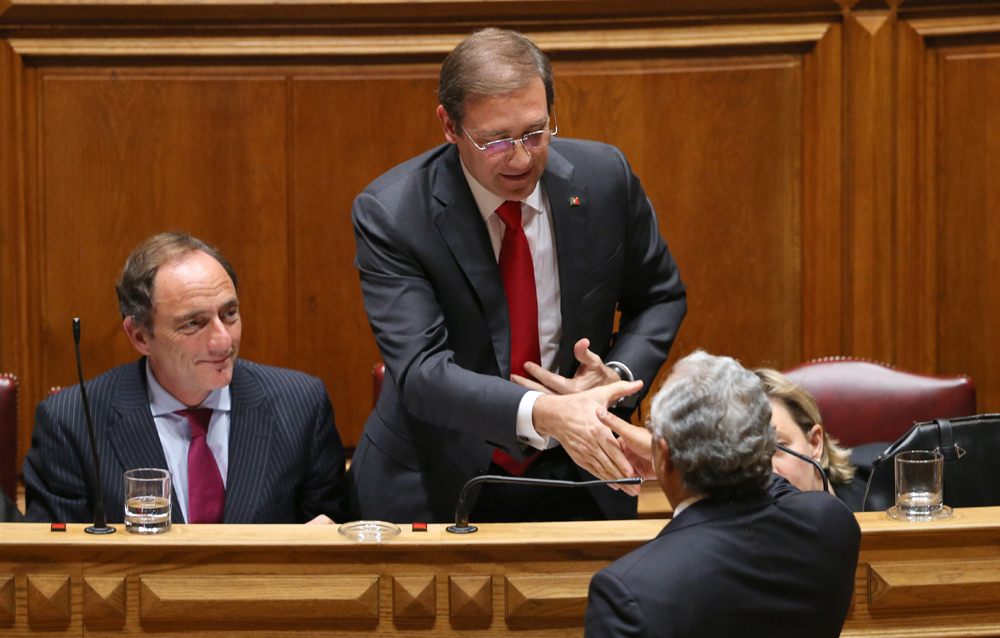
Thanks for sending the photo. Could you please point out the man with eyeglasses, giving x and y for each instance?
(492, 267)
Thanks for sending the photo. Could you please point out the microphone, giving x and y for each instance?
(100, 525)
(809, 459)
(462, 526)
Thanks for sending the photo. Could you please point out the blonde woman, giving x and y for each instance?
(799, 427)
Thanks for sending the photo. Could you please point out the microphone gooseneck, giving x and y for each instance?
(100, 525)
(808, 459)
(462, 526)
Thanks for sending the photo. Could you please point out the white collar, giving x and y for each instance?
(162, 402)
(488, 203)
(686, 503)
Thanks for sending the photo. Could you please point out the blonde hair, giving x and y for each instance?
(802, 406)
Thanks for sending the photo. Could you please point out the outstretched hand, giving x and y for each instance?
(636, 443)
(573, 420)
(592, 373)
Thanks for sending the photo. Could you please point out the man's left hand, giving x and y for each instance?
(322, 519)
(592, 373)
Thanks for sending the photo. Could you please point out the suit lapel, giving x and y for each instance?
(133, 434)
(569, 221)
(250, 426)
(462, 228)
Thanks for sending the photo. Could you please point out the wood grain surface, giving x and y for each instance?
(823, 171)
(913, 579)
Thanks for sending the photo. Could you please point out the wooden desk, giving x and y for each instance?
(913, 580)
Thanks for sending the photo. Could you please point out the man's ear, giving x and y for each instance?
(447, 125)
(665, 465)
(137, 335)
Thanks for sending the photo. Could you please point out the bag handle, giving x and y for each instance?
(948, 449)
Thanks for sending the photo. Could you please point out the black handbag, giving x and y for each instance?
(971, 449)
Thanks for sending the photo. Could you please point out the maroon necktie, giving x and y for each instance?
(518, 273)
(206, 492)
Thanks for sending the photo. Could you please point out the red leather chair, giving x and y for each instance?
(378, 373)
(866, 402)
(8, 435)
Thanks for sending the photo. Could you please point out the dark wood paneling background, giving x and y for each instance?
(824, 172)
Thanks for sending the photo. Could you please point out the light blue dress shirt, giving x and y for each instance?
(175, 433)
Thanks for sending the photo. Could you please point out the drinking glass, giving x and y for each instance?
(147, 501)
(919, 487)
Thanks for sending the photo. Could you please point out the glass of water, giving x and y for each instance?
(919, 487)
(147, 501)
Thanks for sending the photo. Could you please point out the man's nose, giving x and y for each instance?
(219, 340)
(520, 156)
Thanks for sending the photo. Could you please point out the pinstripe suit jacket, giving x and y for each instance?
(286, 462)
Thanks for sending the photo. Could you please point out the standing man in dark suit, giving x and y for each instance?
(245, 443)
(746, 554)
(495, 260)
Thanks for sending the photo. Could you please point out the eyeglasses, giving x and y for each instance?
(537, 139)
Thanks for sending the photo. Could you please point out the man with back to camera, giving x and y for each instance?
(245, 443)
(502, 256)
(746, 554)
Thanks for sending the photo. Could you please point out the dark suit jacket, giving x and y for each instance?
(771, 564)
(286, 463)
(435, 300)
(8, 510)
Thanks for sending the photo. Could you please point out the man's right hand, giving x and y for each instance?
(635, 442)
(572, 419)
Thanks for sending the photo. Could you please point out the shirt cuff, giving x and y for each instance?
(526, 434)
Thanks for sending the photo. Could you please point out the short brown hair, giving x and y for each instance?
(488, 63)
(135, 288)
(802, 406)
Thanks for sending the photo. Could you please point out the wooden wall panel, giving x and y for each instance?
(869, 307)
(717, 145)
(349, 127)
(968, 207)
(821, 170)
(126, 155)
(948, 153)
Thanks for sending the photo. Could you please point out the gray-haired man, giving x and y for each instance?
(746, 553)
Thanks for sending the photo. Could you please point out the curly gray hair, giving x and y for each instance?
(716, 419)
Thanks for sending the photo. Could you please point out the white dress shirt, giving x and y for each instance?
(175, 433)
(686, 503)
(537, 220)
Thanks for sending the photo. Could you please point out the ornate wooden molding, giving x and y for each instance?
(955, 26)
(433, 44)
(388, 12)
(932, 583)
(549, 596)
(470, 597)
(8, 606)
(104, 600)
(414, 596)
(237, 600)
(49, 600)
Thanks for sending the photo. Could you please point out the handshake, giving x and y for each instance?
(574, 411)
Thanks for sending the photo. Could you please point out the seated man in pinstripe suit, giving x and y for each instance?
(245, 443)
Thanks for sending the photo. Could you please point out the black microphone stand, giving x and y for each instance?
(100, 525)
(809, 459)
(462, 526)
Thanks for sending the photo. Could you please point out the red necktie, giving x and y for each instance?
(518, 273)
(206, 492)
